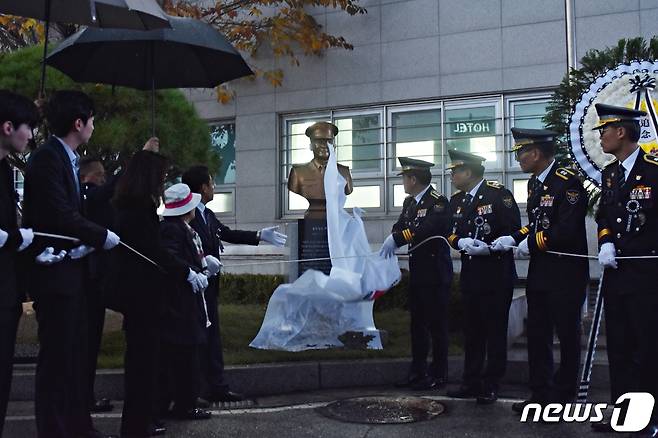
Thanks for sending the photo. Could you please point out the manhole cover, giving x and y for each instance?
(383, 410)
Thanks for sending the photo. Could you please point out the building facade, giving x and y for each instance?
(425, 76)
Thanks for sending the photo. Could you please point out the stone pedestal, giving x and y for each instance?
(312, 243)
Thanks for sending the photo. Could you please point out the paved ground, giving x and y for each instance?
(295, 415)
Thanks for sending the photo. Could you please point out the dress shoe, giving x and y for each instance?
(192, 414)
(464, 392)
(519, 406)
(202, 403)
(101, 405)
(651, 431)
(225, 396)
(487, 397)
(425, 384)
(602, 426)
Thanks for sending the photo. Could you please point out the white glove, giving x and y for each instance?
(192, 279)
(80, 251)
(201, 281)
(214, 265)
(28, 236)
(270, 235)
(523, 249)
(503, 243)
(478, 248)
(48, 258)
(388, 247)
(111, 240)
(607, 255)
(3, 237)
(464, 242)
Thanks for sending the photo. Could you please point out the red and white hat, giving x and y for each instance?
(178, 200)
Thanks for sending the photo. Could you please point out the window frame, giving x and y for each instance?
(232, 187)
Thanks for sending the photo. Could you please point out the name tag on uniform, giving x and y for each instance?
(641, 192)
(485, 209)
(546, 201)
(422, 212)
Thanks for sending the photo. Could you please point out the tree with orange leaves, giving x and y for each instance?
(287, 28)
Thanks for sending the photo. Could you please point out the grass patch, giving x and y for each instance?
(240, 323)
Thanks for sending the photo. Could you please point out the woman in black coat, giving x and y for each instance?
(138, 287)
(185, 314)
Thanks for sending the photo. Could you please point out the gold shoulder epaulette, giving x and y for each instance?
(564, 173)
(494, 184)
(649, 158)
(435, 194)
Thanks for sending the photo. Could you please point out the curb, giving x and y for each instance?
(282, 378)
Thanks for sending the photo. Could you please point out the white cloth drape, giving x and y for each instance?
(314, 310)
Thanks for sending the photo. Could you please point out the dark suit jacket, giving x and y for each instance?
(184, 317)
(97, 207)
(52, 204)
(639, 194)
(9, 290)
(212, 236)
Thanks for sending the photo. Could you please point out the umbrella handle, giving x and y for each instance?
(42, 87)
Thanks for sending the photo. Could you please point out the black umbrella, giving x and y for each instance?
(192, 54)
(127, 14)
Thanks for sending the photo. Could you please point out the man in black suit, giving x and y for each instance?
(212, 233)
(53, 204)
(18, 116)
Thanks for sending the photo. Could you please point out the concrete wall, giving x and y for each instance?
(406, 50)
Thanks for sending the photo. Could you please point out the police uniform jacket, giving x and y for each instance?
(556, 222)
(490, 214)
(431, 263)
(10, 293)
(628, 217)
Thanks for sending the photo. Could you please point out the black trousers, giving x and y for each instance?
(96, 314)
(486, 313)
(212, 355)
(61, 404)
(141, 364)
(179, 376)
(9, 318)
(428, 306)
(631, 327)
(552, 310)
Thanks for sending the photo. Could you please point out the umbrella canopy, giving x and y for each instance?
(127, 14)
(192, 54)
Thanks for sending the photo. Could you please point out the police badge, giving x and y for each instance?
(508, 201)
(573, 196)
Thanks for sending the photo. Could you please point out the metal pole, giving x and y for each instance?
(45, 52)
(583, 388)
(570, 34)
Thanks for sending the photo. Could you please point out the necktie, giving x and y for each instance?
(621, 180)
(467, 199)
(76, 169)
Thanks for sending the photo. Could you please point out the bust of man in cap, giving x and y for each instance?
(307, 179)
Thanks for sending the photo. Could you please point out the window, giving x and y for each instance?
(416, 134)
(474, 130)
(359, 142)
(222, 139)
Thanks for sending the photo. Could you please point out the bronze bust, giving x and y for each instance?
(307, 179)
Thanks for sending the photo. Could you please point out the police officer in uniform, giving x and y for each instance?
(482, 211)
(556, 284)
(627, 221)
(425, 214)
